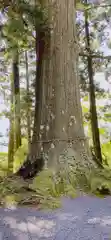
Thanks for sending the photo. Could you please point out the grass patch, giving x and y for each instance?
(3, 154)
(106, 152)
(3, 164)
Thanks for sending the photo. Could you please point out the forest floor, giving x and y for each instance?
(83, 218)
(22, 214)
(14, 190)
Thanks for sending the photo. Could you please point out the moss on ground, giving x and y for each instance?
(46, 189)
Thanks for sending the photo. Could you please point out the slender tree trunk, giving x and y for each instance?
(17, 101)
(28, 103)
(38, 93)
(11, 131)
(93, 110)
(34, 162)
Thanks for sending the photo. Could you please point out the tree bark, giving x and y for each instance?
(93, 110)
(11, 131)
(62, 114)
(17, 101)
(58, 125)
(38, 94)
(28, 103)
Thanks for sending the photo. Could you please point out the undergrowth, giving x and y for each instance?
(47, 188)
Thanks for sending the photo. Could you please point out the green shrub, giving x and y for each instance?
(54, 184)
(3, 164)
(106, 152)
(100, 180)
(70, 182)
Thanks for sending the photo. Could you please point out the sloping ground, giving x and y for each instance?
(81, 218)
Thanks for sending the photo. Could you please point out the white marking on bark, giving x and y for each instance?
(41, 149)
(70, 145)
(40, 136)
(63, 112)
(73, 118)
(52, 145)
(47, 128)
(41, 127)
(52, 116)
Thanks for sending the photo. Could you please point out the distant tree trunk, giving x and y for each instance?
(17, 101)
(93, 110)
(38, 92)
(34, 162)
(11, 131)
(28, 101)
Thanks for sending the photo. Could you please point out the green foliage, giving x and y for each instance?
(49, 185)
(85, 109)
(3, 155)
(82, 6)
(52, 185)
(106, 151)
(20, 155)
(100, 180)
(85, 98)
(3, 164)
(71, 182)
(102, 131)
(107, 117)
(13, 191)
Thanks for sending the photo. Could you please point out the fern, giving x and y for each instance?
(100, 180)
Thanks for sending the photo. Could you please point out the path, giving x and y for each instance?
(84, 218)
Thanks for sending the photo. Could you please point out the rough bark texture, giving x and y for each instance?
(62, 114)
(38, 93)
(11, 131)
(93, 111)
(28, 104)
(17, 101)
(58, 122)
(34, 161)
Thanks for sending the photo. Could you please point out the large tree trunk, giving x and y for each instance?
(17, 101)
(59, 125)
(93, 111)
(62, 114)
